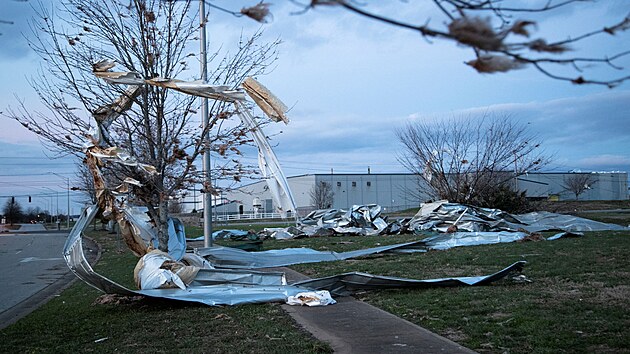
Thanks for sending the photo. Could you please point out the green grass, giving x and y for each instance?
(74, 322)
(576, 302)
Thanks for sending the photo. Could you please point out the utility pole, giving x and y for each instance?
(207, 196)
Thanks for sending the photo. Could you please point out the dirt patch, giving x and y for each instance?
(456, 335)
(614, 296)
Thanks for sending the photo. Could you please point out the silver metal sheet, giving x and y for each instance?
(245, 289)
(441, 215)
(226, 257)
(459, 239)
(231, 287)
(348, 282)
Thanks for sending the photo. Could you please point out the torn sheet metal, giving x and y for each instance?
(269, 165)
(565, 235)
(141, 222)
(311, 298)
(543, 220)
(227, 257)
(459, 239)
(343, 284)
(238, 289)
(439, 216)
(230, 287)
(270, 104)
(358, 220)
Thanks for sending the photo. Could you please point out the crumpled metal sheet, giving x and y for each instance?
(232, 287)
(358, 220)
(459, 239)
(227, 257)
(240, 287)
(439, 216)
(268, 164)
(269, 103)
(343, 284)
(311, 298)
(543, 220)
(143, 226)
(273, 107)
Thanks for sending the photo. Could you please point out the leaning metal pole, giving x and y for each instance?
(207, 196)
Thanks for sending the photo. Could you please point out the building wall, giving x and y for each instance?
(606, 186)
(391, 191)
(403, 191)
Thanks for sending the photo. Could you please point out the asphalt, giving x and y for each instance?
(349, 326)
(44, 295)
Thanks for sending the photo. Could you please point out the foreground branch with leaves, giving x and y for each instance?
(500, 34)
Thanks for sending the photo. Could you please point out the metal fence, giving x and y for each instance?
(249, 216)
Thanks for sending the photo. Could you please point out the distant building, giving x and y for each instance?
(602, 186)
(396, 191)
(400, 191)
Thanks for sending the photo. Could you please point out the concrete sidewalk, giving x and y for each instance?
(353, 326)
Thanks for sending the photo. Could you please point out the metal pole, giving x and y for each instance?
(207, 196)
(68, 214)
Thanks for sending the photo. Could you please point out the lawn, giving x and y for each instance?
(576, 302)
(79, 321)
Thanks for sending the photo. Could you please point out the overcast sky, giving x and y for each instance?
(351, 82)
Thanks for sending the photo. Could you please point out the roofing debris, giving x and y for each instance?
(447, 224)
(223, 276)
(226, 276)
(267, 101)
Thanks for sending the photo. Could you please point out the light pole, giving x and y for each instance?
(68, 193)
(207, 196)
(56, 196)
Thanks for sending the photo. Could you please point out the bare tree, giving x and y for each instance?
(466, 160)
(12, 210)
(84, 182)
(322, 195)
(158, 127)
(578, 183)
(498, 34)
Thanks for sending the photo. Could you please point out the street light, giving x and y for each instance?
(207, 197)
(68, 211)
(57, 196)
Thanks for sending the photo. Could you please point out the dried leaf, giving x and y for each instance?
(476, 32)
(258, 12)
(540, 45)
(621, 26)
(520, 27)
(494, 63)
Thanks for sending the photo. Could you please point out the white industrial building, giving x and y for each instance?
(399, 191)
(601, 186)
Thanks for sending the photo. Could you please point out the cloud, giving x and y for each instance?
(606, 161)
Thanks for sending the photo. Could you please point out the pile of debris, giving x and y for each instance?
(441, 220)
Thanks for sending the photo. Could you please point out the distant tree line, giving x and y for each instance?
(13, 213)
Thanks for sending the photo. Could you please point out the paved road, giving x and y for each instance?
(29, 263)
